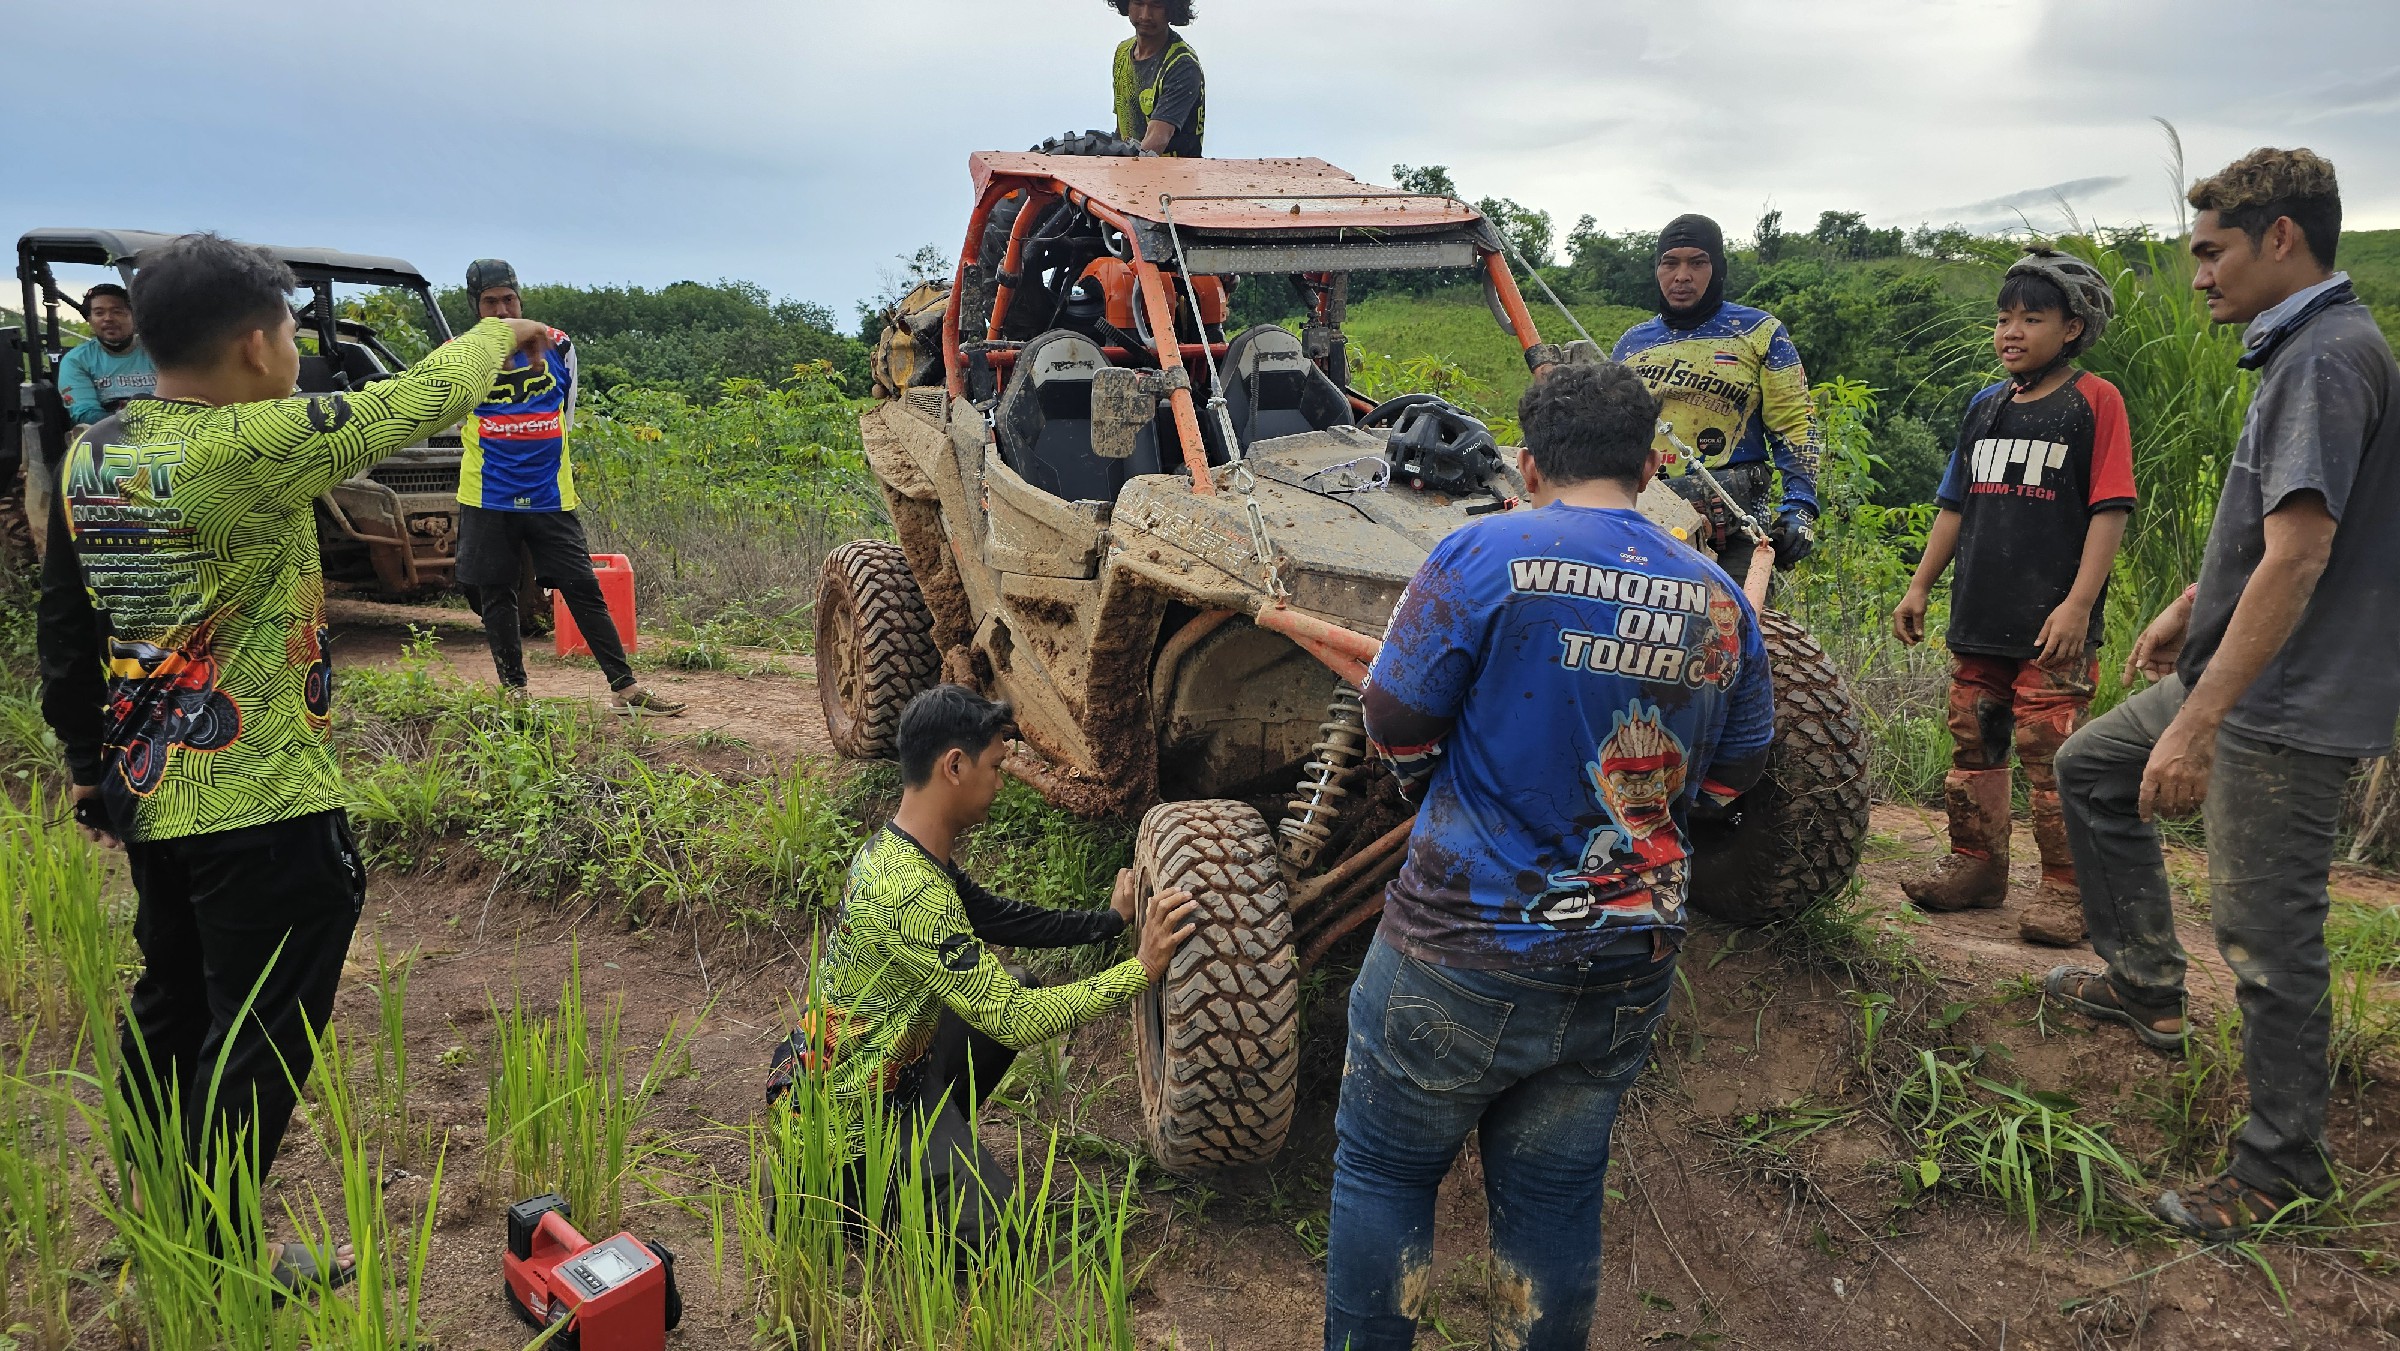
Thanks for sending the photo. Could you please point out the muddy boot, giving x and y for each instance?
(2055, 919)
(1975, 875)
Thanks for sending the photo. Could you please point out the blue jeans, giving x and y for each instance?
(1537, 1061)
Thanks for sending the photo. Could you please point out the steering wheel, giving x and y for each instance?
(1387, 413)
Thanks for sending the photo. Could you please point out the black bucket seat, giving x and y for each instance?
(1045, 422)
(1272, 389)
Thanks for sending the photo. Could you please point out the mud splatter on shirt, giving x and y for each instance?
(1567, 682)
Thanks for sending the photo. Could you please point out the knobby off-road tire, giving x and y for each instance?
(1220, 1037)
(1794, 839)
(875, 649)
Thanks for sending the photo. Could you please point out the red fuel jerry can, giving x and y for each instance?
(614, 572)
(615, 1295)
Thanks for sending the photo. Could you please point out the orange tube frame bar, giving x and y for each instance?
(1349, 654)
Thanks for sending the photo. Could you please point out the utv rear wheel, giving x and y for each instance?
(1794, 839)
(875, 647)
(1219, 1037)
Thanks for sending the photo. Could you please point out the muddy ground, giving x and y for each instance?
(1707, 1243)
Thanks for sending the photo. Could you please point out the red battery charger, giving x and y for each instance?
(615, 1295)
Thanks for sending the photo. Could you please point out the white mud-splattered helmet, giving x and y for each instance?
(2089, 296)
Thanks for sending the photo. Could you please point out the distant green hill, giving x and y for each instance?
(1463, 333)
(2372, 258)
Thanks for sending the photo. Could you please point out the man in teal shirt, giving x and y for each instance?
(97, 377)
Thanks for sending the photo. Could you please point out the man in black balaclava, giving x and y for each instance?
(1732, 389)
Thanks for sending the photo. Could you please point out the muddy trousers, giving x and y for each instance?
(2003, 703)
(2271, 814)
(242, 934)
(1533, 1061)
(562, 560)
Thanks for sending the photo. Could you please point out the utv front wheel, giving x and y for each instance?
(1794, 839)
(875, 647)
(1220, 1036)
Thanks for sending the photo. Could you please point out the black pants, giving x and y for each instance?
(940, 1094)
(267, 908)
(562, 560)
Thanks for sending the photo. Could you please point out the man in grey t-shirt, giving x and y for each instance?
(1161, 93)
(2276, 674)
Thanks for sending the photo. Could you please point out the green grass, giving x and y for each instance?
(847, 1243)
(1462, 333)
(565, 800)
(564, 1112)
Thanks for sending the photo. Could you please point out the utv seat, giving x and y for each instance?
(1272, 389)
(1045, 422)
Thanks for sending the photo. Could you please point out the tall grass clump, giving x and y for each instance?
(48, 874)
(562, 1111)
(730, 506)
(848, 1241)
(2025, 1148)
(564, 801)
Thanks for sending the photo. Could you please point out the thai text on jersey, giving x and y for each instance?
(194, 529)
(1734, 391)
(516, 443)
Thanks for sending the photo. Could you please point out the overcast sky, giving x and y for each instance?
(804, 144)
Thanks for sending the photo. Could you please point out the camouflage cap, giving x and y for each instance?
(485, 273)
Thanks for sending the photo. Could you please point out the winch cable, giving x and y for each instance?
(1509, 248)
(1216, 382)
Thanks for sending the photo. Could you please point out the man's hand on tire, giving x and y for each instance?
(1171, 921)
(1794, 536)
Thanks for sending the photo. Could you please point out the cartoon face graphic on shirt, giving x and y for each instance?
(1638, 775)
(1723, 656)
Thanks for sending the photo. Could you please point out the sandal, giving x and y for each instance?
(296, 1271)
(2091, 994)
(2224, 1210)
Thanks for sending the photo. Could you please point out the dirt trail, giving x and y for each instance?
(1708, 1243)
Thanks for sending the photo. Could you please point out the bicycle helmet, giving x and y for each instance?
(2089, 296)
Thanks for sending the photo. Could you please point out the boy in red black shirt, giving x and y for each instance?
(2033, 509)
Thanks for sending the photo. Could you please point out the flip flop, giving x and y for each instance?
(295, 1271)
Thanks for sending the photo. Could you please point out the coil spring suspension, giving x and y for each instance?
(1317, 801)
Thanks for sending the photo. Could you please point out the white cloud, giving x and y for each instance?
(804, 143)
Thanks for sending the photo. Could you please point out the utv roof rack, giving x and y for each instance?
(75, 244)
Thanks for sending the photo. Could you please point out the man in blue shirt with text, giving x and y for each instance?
(1568, 683)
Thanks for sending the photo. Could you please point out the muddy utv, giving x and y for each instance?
(393, 528)
(1174, 553)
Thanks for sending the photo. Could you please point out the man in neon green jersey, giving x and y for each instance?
(184, 669)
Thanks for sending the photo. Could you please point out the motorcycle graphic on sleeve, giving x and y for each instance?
(1634, 850)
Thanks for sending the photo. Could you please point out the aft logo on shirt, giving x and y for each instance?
(1997, 460)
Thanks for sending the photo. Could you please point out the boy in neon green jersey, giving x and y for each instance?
(182, 642)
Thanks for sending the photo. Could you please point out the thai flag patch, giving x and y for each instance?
(1727, 359)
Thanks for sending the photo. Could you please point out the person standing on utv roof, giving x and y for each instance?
(1734, 392)
(1569, 682)
(184, 669)
(2033, 507)
(1162, 96)
(516, 491)
(2276, 674)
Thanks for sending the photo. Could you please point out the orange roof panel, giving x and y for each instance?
(1228, 194)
